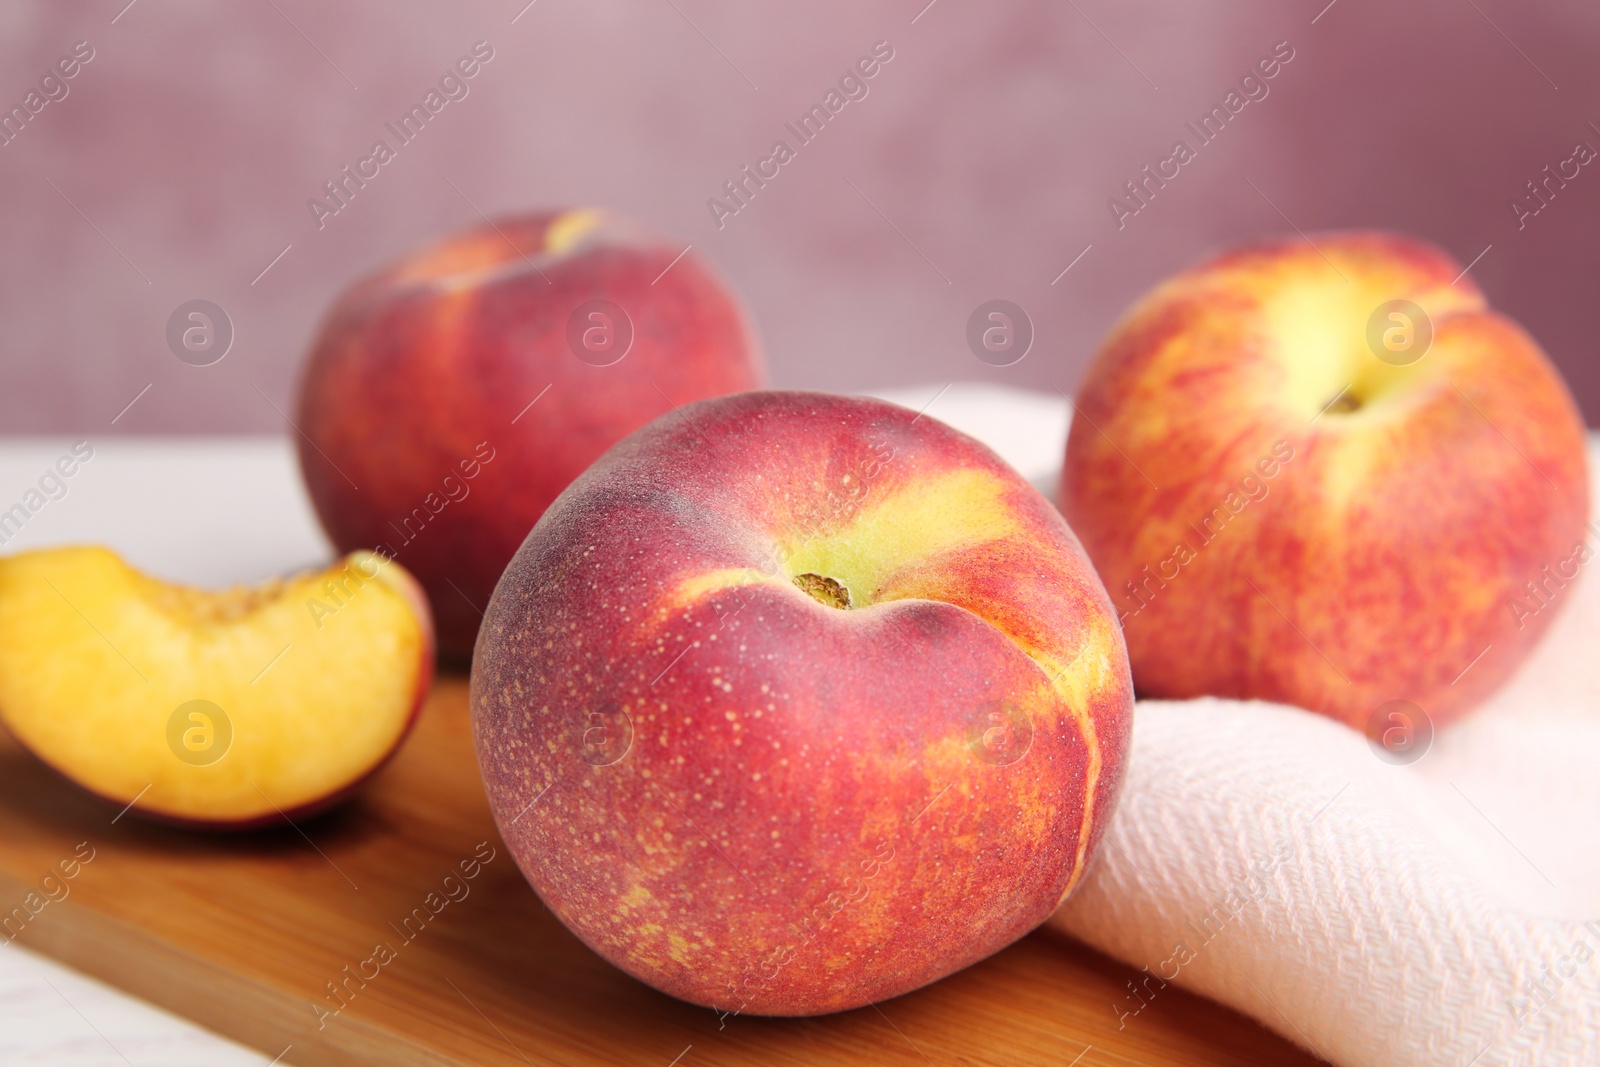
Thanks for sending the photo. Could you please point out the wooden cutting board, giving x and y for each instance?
(243, 934)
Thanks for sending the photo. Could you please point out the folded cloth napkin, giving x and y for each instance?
(1445, 911)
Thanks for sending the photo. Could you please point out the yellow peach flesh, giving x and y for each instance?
(316, 677)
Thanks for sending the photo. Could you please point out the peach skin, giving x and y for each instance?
(795, 702)
(1326, 473)
(452, 396)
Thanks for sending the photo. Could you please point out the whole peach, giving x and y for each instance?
(449, 398)
(795, 702)
(1324, 472)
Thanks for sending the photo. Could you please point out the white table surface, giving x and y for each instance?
(216, 511)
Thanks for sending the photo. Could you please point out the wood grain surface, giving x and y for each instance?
(243, 934)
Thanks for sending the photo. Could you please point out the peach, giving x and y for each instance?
(795, 702)
(1324, 472)
(224, 709)
(449, 398)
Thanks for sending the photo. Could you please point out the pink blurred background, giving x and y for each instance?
(979, 165)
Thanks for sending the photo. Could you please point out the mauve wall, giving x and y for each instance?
(991, 142)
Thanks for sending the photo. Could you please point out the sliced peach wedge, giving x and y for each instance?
(225, 709)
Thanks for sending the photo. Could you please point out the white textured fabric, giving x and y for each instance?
(1445, 912)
